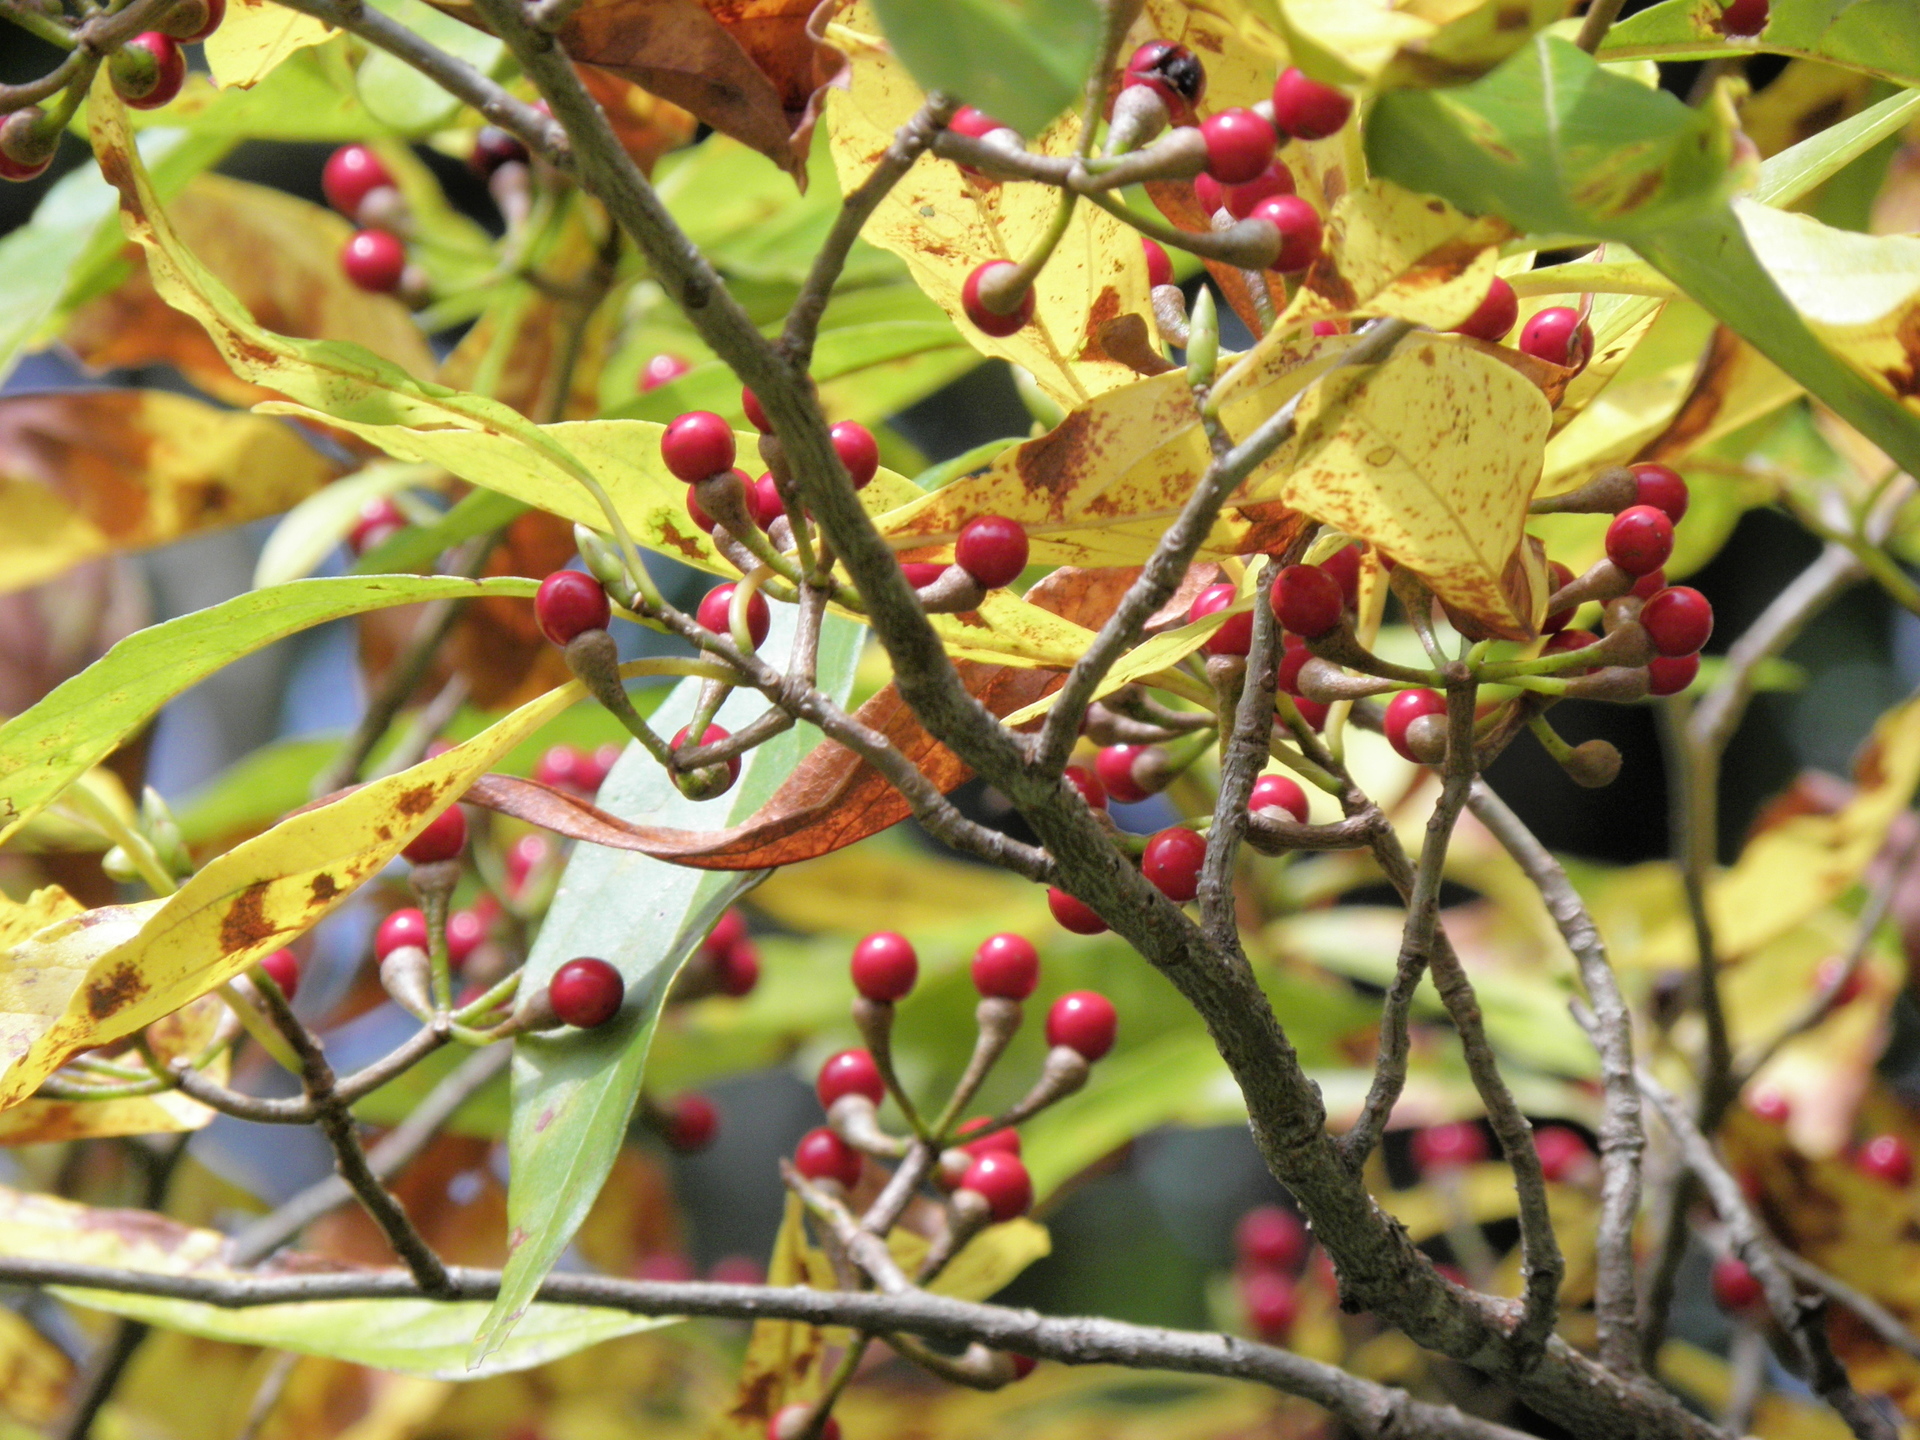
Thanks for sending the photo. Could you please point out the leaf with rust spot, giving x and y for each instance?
(91, 978)
(95, 472)
(943, 223)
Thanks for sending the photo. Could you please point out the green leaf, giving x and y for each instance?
(574, 1091)
(1785, 177)
(400, 96)
(45, 748)
(411, 1337)
(1021, 61)
(476, 513)
(1556, 145)
(1877, 36)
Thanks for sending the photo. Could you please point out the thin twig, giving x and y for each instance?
(1245, 756)
(392, 1154)
(1882, 1321)
(1598, 20)
(1804, 1323)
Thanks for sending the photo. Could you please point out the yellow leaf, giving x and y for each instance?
(91, 978)
(1412, 42)
(34, 1376)
(1858, 293)
(1240, 51)
(255, 37)
(944, 223)
(1433, 457)
(1392, 252)
(1161, 652)
(786, 1360)
(987, 1264)
(1101, 486)
(91, 472)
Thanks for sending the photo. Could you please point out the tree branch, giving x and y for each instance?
(1244, 757)
(1622, 1133)
(1805, 1324)
(1371, 1409)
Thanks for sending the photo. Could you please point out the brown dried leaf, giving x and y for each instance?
(281, 256)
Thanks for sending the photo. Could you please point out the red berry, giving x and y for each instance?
(1562, 1151)
(586, 992)
(1830, 972)
(568, 604)
(1307, 601)
(189, 26)
(1172, 863)
(1670, 675)
(1088, 784)
(1073, 913)
(1448, 1147)
(444, 838)
(1649, 585)
(716, 606)
(715, 734)
(692, 1122)
(352, 173)
(1736, 1289)
(1566, 640)
(1023, 1365)
(1886, 1157)
(1344, 566)
(662, 369)
(696, 445)
(791, 1423)
(465, 931)
(1559, 336)
(992, 549)
(851, 1072)
(885, 966)
(1276, 179)
(1495, 315)
(378, 520)
(1001, 1180)
(1233, 638)
(1211, 195)
(401, 928)
(737, 1270)
(1083, 1020)
(494, 147)
(1306, 109)
(160, 75)
(994, 322)
(921, 573)
(763, 500)
(1159, 264)
(1270, 1237)
(560, 767)
(974, 123)
(374, 261)
(1678, 620)
(1311, 711)
(700, 517)
(1172, 70)
(1114, 764)
(728, 930)
(1293, 659)
(1770, 1105)
(858, 451)
(1404, 709)
(1006, 967)
(823, 1155)
(1558, 578)
(1640, 539)
(1300, 231)
(526, 855)
(756, 417)
(283, 968)
(1278, 792)
(1003, 1140)
(1324, 328)
(13, 167)
(738, 970)
(1743, 17)
(1271, 1304)
(1662, 488)
(1239, 145)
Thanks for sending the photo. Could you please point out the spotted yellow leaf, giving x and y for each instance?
(1412, 42)
(254, 38)
(88, 979)
(944, 223)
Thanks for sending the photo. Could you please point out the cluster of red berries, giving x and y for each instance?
(1243, 175)
(1270, 1243)
(1558, 334)
(374, 258)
